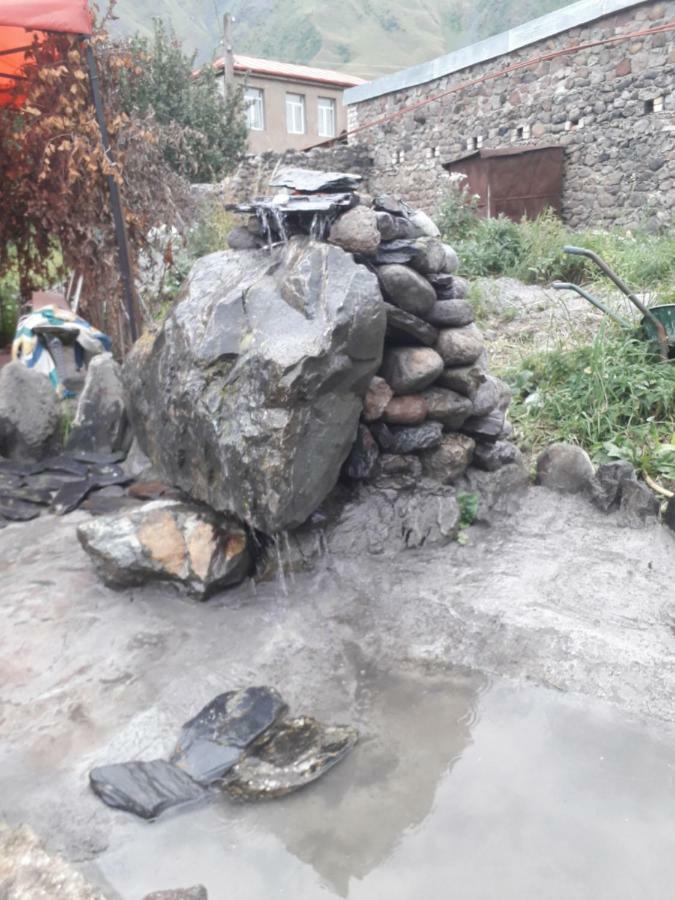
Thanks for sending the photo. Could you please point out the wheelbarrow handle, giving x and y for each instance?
(568, 286)
(623, 287)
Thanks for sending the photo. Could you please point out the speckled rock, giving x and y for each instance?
(407, 410)
(411, 369)
(460, 346)
(376, 399)
(356, 231)
(447, 462)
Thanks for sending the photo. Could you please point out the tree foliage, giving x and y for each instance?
(163, 82)
(54, 173)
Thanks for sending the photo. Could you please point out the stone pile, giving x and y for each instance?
(433, 408)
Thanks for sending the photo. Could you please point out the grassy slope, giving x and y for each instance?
(364, 37)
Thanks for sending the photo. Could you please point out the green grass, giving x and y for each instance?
(615, 398)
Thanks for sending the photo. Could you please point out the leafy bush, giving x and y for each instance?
(615, 398)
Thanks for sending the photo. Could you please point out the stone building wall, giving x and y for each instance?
(252, 175)
(611, 106)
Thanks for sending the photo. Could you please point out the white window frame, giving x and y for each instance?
(295, 114)
(327, 105)
(255, 103)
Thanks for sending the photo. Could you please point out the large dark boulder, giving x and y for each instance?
(249, 397)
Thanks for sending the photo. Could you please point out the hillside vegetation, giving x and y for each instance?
(363, 37)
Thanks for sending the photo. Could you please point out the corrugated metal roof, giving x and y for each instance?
(501, 44)
(291, 71)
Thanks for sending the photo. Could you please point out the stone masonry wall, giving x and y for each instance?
(611, 106)
(252, 175)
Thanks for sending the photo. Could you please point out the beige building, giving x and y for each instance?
(290, 107)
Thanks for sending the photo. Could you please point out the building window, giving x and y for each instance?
(255, 112)
(654, 105)
(295, 113)
(326, 117)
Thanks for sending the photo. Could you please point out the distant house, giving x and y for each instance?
(289, 107)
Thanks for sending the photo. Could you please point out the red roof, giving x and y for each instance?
(290, 71)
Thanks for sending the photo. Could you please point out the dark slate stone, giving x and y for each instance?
(363, 455)
(400, 252)
(441, 281)
(69, 496)
(9, 482)
(297, 752)
(391, 204)
(394, 228)
(54, 481)
(402, 326)
(145, 789)
(28, 494)
(97, 459)
(17, 510)
(485, 428)
(451, 313)
(638, 506)
(100, 423)
(406, 439)
(490, 457)
(311, 181)
(607, 483)
(216, 738)
(60, 464)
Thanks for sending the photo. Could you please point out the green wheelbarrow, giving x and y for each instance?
(658, 323)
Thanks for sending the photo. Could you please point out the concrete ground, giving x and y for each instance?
(515, 698)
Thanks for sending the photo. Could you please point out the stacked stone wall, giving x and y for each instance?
(611, 106)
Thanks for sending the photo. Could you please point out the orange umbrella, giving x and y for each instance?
(22, 22)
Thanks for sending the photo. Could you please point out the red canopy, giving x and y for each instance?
(22, 20)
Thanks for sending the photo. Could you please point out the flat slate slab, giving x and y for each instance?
(144, 788)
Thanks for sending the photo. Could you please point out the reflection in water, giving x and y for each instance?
(414, 727)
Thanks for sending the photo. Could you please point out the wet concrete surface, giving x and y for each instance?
(515, 699)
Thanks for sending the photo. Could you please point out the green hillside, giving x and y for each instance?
(362, 37)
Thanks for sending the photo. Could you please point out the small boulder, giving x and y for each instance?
(638, 506)
(429, 255)
(407, 410)
(407, 289)
(405, 328)
(363, 455)
(447, 407)
(376, 399)
(395, 466)
(608, 482)
(450, 459)
(403, 439)
(168, 540)
(492, 394)
(100, 423)
(465, 380)
(356, 231)
(565, 468)
(29, 413)
(241, 238)
(425, 224)
(196, 892)
(490, 457)
(451, 313)
(410, 369)
(488, 428)
(460, 346)
(451, 261)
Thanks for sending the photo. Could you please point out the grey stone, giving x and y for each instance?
(29, 413)
(669, 515)
(100, 423)
(410, 409)
(137, 463)
(450, 459)
(395, 227)
(460, 288)
(565, 468)
(214, 741)
(465, 380)
(356, 231)
(363, 455)
(391, 204)
(394, 466)
(447, 406)
(407, 289)
(491, 394)
(253, 406)
(638, 506)
(168, 540)
(17, 510)
(608, 481)
(294, 754)
(408, 370)
(429, 255)
(486, 428)
(376, 399)
(460, 346)
(425, 224)
(491, 457)
(241, 238)
(196, 892)
(310, 180)
(499, 492)
(451, 313)
(403, 439)
(451, 261)
(403, 326)
(145, 789)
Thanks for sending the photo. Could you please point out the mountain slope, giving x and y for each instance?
(363, 37)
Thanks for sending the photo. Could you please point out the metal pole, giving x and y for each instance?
(115, 200)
